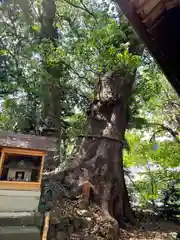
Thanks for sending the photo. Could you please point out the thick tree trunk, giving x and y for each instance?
(100, 157)
(102, 148)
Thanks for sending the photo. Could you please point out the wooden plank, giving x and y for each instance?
(46, 226)
(153, 29)
(41, 169)
(154, 15)
(136, 22)
(170, 4)
(148, 7)
(24, 152)
(2, 161)
(139, 3)
(12, 185)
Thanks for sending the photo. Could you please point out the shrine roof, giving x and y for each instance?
(32, 142)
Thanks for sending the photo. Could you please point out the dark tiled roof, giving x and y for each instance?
(18, 140)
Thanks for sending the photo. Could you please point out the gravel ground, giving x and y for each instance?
(152, 228)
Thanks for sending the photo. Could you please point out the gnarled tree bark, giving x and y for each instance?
(100, 157)
(102, 147)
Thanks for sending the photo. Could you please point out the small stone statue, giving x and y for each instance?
(19, 176)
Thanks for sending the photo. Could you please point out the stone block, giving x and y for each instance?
(20, 219)
(19, 233)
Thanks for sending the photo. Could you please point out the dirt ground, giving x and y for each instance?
(151, 227)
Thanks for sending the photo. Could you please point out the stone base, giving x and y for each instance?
(19, 233)
(19, 201)
(20, 226)
(20, 219)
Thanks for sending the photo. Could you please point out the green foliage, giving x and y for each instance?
(157, 164)
(58, 73)
(142, 151)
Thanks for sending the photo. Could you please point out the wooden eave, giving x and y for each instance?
(157, 23)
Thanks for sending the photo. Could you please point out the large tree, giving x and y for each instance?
(59, 55)
(109, 48)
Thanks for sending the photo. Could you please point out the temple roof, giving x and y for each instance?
(18, 140)
(157, 23)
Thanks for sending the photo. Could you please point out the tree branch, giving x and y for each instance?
(162, 127)
(84, 8)
(87, 10)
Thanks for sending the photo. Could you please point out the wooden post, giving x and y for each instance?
(2, 161)
(86, 192)
(41, 169)
(46, 226)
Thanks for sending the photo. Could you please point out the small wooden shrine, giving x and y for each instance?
(157, 23)
(22, 160)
